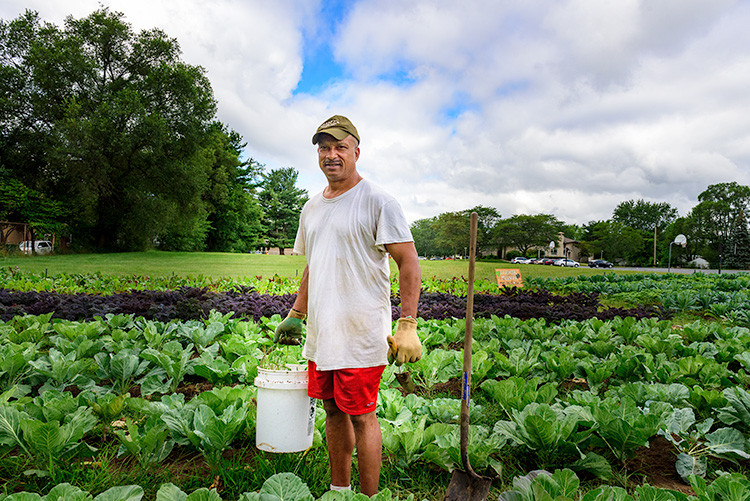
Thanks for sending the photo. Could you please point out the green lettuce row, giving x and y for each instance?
(98, 283)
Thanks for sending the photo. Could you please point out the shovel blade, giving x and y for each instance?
(466, 487)
(406, 382)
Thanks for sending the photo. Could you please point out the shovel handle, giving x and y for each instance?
(392, 346)
(466, 391)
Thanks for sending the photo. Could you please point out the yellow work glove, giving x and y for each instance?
(289, 330)
(405, 345)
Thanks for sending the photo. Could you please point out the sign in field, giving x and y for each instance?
(508, 277)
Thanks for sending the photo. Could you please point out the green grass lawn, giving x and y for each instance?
(220, 265)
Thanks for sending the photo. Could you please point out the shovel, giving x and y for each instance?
(466, 485)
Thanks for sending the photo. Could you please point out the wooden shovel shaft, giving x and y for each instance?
(466, 485)
(466, 389)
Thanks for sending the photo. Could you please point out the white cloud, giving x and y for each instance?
(566, 107)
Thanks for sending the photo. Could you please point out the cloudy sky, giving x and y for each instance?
(566, 107)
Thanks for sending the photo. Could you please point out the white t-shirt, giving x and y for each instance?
(349, 308)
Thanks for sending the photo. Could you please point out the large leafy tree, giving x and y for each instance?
(717, 217)
(650, 218)
(524, 231)
(613, 240)
(112, 124)
(282, 202)
(645, 216)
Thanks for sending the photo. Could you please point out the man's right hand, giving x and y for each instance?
(289, 330)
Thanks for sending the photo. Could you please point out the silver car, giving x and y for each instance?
(566, 262)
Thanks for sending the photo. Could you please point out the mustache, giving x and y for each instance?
(331, 162)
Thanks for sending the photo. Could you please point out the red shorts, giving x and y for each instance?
(355, 391)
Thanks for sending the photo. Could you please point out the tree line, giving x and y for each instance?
(107, 135)
(639, 233)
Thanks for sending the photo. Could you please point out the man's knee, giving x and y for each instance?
(363, 421)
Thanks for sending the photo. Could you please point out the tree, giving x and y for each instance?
(645, 216)
(112, 124)
(524, 232)
(648, 218)
(738, 248)
(424, 232)
(716, 215)
(282, 203)
(24, 124)
(488, 217)
(452, 232)
(20, 203)
(574, 231)
(613, 239)
(234, 214)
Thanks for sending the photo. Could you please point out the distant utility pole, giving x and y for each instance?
(655, 245)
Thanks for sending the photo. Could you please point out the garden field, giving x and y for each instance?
(137, 383)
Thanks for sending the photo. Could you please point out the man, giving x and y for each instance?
(346, 233)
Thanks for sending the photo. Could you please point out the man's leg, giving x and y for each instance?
(369, 451)
(340, 441)
(342, 432)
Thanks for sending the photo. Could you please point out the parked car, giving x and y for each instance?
(519, 260)
(41, 246)
(549, 260)
(566, 262)
(600, 263)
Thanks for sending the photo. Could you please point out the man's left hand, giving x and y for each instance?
(405, 345)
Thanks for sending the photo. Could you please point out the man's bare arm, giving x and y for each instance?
(300, 304)
(410, 276)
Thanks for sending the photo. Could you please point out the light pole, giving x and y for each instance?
(679, 240)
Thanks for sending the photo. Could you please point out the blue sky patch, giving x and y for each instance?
(460, 103)
(319, 70)
(319, 66)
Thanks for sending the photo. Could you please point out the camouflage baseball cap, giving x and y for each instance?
(337, 126)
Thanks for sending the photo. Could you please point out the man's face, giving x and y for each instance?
(338, 159)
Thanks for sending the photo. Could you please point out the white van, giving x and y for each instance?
(41, 246)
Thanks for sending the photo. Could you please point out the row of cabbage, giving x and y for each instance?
(610, 283)
(65, 382)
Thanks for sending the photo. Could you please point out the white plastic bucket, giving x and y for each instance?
(285, 419)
